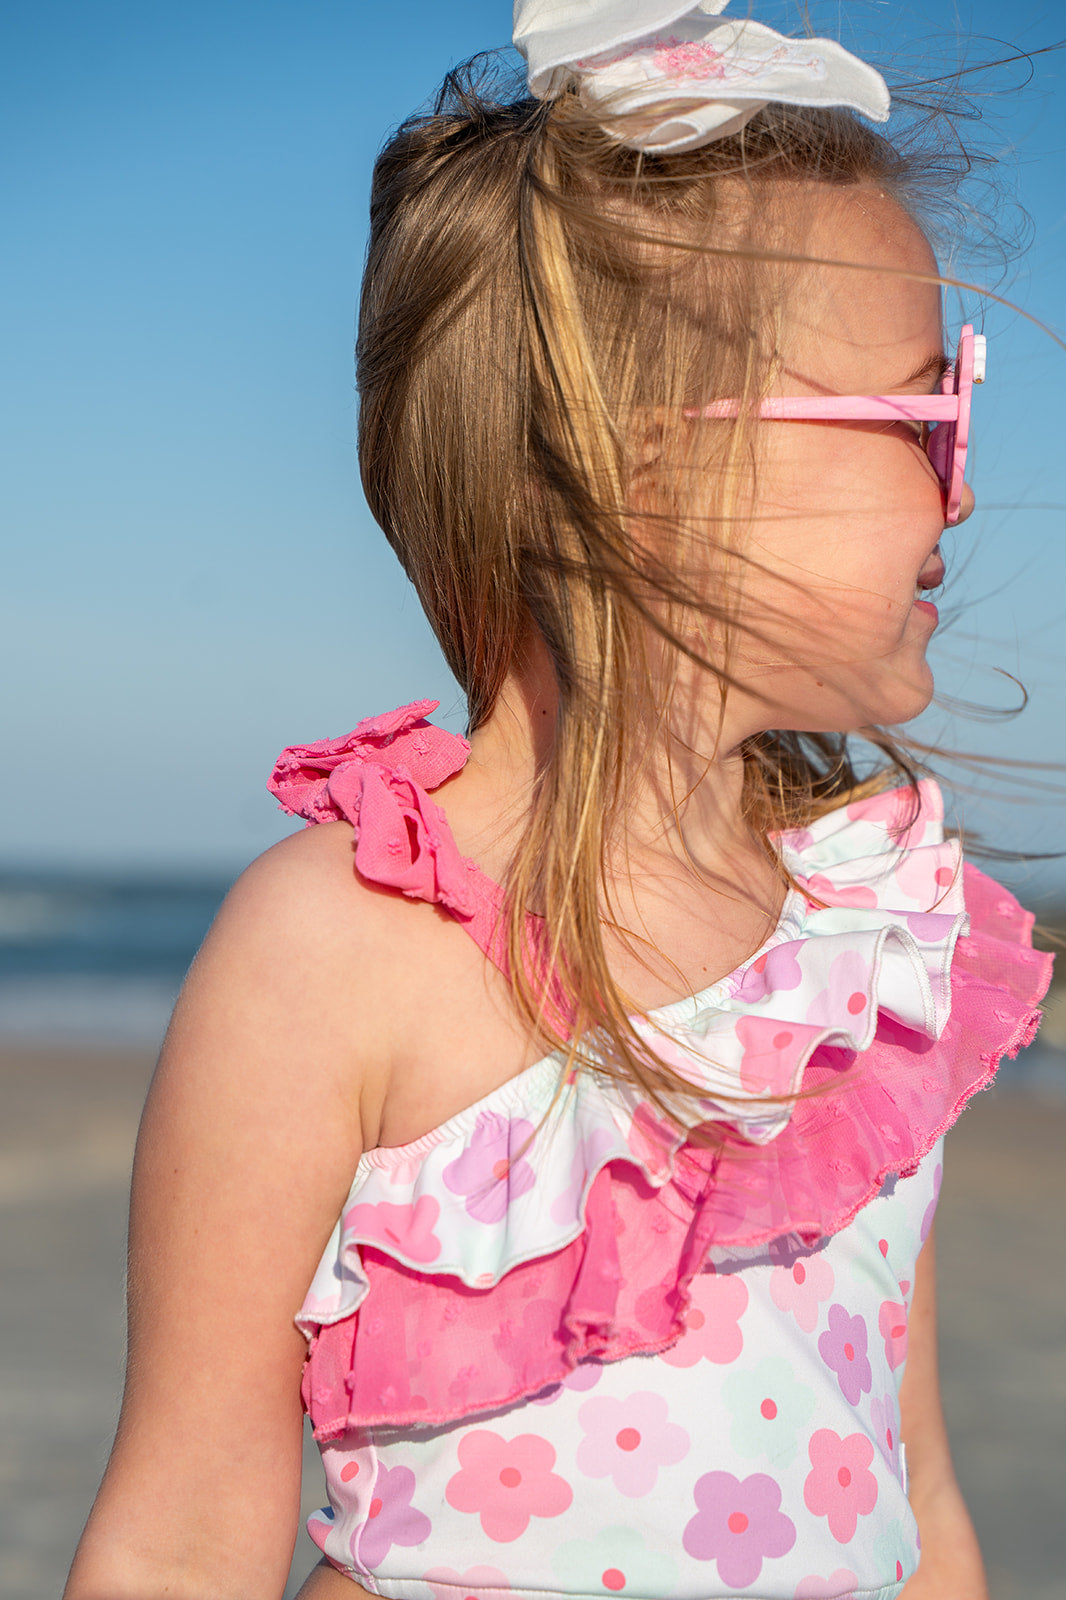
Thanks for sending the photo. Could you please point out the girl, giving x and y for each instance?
(601, 1062)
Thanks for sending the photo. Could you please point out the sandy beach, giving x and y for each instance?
(66, 1137)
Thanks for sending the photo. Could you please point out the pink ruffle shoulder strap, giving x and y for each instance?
(377, 778)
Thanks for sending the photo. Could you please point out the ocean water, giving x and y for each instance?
(99, 961)
(94, 959)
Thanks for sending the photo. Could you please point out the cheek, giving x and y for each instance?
(836, 541)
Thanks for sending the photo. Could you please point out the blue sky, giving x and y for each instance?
(191, 578)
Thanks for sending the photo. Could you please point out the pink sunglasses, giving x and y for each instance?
(948, 411)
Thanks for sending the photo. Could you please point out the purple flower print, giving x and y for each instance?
(586, 1375)
(391, 1518)
(486, 1172)
(773, 973)
(739, 1523)
(801, 1288)
(843, 1349)
(629, 1440)
(840, 1485)
(930, 1210)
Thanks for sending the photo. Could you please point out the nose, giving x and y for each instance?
(967, 505)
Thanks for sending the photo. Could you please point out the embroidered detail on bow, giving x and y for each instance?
(673, 79)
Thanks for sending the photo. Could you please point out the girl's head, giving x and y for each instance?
(544, 311)
(541, 309)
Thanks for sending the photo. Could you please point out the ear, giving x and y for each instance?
(648, 449)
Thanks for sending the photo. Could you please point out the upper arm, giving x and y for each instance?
(951, 1566)
(247, 1148)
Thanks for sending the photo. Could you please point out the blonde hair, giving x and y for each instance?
(533, 291)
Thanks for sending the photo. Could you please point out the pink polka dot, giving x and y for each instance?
(944, 876)
(613, 1579)
(844, 1477)
(500, 1169)
(799, 1272)
(627, 1439)
(888, 1436)
(769, 1409)
(856, 1003)
(694, 1317)
(760, 965)
(882, 1245)
(899, 1571)
(375, 1507)
(510, 1477)
(849, 1351)
(738, 1522)
(781, 1040)
(349, 1471)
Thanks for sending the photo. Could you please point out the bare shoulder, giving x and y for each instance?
(252, 1132)
(301, 968)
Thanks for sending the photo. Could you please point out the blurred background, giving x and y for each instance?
(192, 581)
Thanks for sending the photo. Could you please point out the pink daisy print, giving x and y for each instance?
(445, 1581)
(843, 1349)
(801, 1289)
(739, 1524)
(819, 887)
(892, 1325)
(652, 1140)
(770, 1050)
(629, 1440)
(712, 1321)
(840, 1585)
(406, 1229)
(840, 1485)
(884, 1417)
(506, 1482)
(895, 808)
(845, 1000)
(492, 1172)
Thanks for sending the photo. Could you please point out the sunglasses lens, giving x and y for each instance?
(941, 450)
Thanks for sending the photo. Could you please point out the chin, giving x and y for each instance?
(881, 700)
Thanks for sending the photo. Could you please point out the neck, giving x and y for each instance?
(684, 802)
(690, 893)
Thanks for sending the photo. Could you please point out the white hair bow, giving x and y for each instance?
(677, 77)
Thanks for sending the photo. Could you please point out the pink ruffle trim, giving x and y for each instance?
(376, 778)
(432, 1349)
